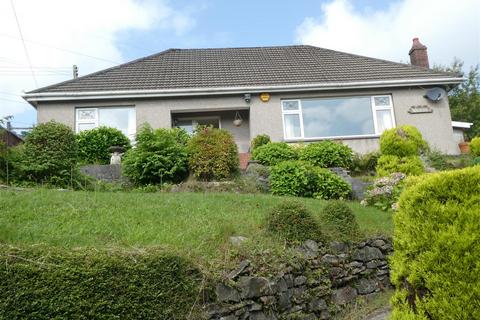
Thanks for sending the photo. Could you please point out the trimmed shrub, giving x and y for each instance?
(340, 218)
(49, 155)
(213, 154)
(159, 156)
(46, 283)
(475, 146)
(328, 185)
(402, 141)
(388, 164)
(294, 178)
(292, 222)
(93, 144)
(327, 154)
(437, 247)
(273, 153)
(260, 140)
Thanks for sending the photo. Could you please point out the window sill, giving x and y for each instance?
(374, 136)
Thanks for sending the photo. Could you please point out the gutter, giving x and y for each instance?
(116, 94)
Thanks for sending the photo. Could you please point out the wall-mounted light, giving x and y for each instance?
(247, 97)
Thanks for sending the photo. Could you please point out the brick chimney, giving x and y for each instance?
(418, 54)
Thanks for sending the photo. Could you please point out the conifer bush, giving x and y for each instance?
(475, 146)
(402, 141)
(292, 222)
(340, 217)
(260, 140)
(437, 247)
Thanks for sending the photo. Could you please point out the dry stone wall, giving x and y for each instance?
(324, 282)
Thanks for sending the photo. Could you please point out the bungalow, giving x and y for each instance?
(294, 93)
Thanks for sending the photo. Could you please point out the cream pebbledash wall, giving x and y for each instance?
(266, 117)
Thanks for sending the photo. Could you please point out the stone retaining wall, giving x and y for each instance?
(104, 172)
(327, 280)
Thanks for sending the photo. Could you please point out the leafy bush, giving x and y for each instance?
(328, 185)
(292, 222)
(93, 145)
(438, 160)
(340, 217)
(476, 161)
(159, 156)
(475, 146)
(41, 283)
(294, 178)
(273, 153)
(49, 155)
(402, 141)
(388, 164)
(3, 158)
(260, 140)
(437, 247)
(213, 154)
(365, 164)
(385, 192)
(327, 154)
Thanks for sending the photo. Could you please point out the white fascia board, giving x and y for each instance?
(116, 94)
(461, 124)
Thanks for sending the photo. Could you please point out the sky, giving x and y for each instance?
(96, 34)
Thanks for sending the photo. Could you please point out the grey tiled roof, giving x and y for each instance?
(242, 67)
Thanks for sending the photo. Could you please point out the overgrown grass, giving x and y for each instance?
(194, 223)
(367, 309)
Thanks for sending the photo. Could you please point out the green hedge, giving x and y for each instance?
(159, 156)
(273, 153)
(435, 266)
(39, 283)
(327, 154)
(93, 145)
(402, 141)
(213, 154)
(410, 165)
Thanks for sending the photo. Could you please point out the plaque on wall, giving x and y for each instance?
(420, 109)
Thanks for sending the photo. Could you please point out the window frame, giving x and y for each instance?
(96, 122)
(374, 109)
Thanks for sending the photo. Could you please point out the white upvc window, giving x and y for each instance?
(121, 118)
(343, 117)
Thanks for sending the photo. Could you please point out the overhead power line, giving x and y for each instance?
(11, 100)
(23, 42)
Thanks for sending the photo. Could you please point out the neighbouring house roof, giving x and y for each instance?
(197, 70)
(462, 125)
(10, 138)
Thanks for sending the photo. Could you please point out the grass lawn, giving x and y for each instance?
(194, 223)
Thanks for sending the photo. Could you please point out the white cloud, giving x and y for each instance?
(85, 26)
(449, 29)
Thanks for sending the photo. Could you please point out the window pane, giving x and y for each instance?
(290, 105)
(85, 126)
(185, 125)
(382, 101)
(384, 120)
(86, 114)
(208, 122)
(337, 117)
(121, 118)
(292, 126)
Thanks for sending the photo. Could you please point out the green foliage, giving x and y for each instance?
(159, 156)
(388, 164)
(340, 217)
(93, 144)
(438, 160)
(328, 185)
(273, 153)
(294, 178)
(213, 154)
(3, 158)
(464, 100)
(437, 247)
(476, 161)
(475, 146)
(365, 164)
(293, 222)
(327, 154)
(49, 155)
(402, 141)
(46, 283)
(260, 140)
